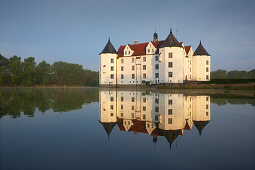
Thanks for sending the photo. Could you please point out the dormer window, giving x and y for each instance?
(125, 53)
(148, 50)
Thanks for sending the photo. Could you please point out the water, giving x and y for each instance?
(88, 128)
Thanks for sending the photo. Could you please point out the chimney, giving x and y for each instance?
(135, 42)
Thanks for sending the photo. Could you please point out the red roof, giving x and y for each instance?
(139, 49)
(187, 48)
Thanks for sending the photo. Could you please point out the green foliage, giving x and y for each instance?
(235, 74)
(14, 72)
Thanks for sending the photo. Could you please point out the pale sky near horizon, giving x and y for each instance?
(76, 31)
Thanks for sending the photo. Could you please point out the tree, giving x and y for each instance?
(28, 67)
(43, 73)
(219, 74)
(15, 70)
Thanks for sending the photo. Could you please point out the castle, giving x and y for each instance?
(154, 62)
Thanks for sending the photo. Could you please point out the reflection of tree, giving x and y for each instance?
(233, 100)
(13, 101)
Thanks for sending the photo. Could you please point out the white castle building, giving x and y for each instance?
(155, 62)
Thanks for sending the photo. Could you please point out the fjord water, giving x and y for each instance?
(89, 128)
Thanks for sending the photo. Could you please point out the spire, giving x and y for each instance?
(109, 48)
(201, 50)
(200, 125)
(155, 36)
(171, 41)
(170, 135)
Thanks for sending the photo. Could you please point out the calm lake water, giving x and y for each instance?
(89, 128)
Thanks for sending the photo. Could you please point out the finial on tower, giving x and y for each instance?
(109, 38)
(170, 30)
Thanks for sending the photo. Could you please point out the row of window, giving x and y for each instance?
(170, 74)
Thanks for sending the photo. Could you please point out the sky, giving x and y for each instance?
(76, 31)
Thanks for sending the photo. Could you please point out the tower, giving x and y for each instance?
(108, 65)
(155, 37)
(171, 57)
(201, 61)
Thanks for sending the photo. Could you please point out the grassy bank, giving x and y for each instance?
(228, 86)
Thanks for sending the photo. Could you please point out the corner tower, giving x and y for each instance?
(201, 61)
(171, 58)
(108, 65)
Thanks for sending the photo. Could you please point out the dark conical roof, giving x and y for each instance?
(171, 41)
(200, 125)
(109, 48)
(200, 50)
(170, 135)
(108, 127)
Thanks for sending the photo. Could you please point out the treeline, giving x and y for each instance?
(15, 72)
(223, 74)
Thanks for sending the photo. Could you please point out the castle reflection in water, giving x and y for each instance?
(156, 114)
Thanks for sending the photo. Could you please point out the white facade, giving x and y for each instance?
(155, 62)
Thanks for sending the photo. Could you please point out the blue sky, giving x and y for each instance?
(76, 31)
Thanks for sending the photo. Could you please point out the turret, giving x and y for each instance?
(201, 64)
(108, 65)
(171, 57)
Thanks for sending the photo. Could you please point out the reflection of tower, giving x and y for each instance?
(201, 112)
(107, 113)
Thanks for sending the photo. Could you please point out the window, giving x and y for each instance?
(125, 53)
(121, 114)
(170, 111)
(170, 74)
(207, 98)
(122, 68)
(122, 76)
(121, 106)
(122, 99)
(156, 100)
(156, 75)
(128, 52)
(152, 50)
(133, 67)
(133, 99)
(170, 102)
(144, 76)
(112, 68)
(133, 76)
(207, 62)
(133, 107)
(156, 58)
(170, 64)
(156, 66)
(112, 99)
(144, 108)
(207, 69)
(207, 106)
(112, 76)
(112, 114)
(122, 60)
(148, 50)
(206, 113)
(207, 77)
(133, 60)
(144, 67)
(133, 115)
(144, 116)
(156, 109)
(111, 107)
(112, 60)
(156, 117)
(144, 99)
(170, 121)
(144, 59)
(170, 55)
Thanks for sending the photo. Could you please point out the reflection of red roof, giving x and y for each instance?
(187, 48)
(187, 126)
